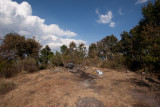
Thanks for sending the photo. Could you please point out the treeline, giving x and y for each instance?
(138, 49)
(18, 54)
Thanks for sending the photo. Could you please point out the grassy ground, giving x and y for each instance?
(64, 89)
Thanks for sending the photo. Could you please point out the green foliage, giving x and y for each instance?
(138, 49)
(45, 55)
(64, 49)
(141, 46)
(73, 54)
(42, 66)
(72, 45)
(17, 54)
(27, 64)
(107, 52)
(81, 53)
(92, 50)
(57, 59)
(32, 48)
(116, 63)
(6, 68)
(81, 50)
(151, 13)
(107, 47)
(15, 45)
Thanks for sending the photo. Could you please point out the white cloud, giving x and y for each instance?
(141, 1)
(18, 18)
(105, 18)
(97, 11)
(112, 24)
(120, 11)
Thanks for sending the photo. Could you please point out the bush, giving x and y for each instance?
(115, 63)
(109, 64)
(56, 61)
(6, 86)
(27, 64)
(86, 62)
(91, 62)
(7, 69)
(42, 66)
(112, 65)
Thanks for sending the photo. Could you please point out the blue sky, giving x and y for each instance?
(81, 20)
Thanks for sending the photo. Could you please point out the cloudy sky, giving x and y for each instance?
(57, 22)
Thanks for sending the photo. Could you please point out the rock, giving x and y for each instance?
(129, 74)
(127, 71)
(143, 73)
(69, 65)
(89, 102)
(86, 67)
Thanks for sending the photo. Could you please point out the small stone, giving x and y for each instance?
(143, 73)
(89, 102)
(127, 71)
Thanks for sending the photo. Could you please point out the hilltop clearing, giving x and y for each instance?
(65, 89)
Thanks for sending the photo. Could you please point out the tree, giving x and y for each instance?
(64, 49)
(107, 47)
(72, 46)
(15, 45)
(32, 48)
(141, 47)
(125, 47)
(81, 50)
(18, 53)
(151, 13)
(72, 52)
(92, 53)
(45, 55)
(57, 59)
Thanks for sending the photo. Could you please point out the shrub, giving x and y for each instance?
(6, 86)
(42, 66)
(7, 69)
(27, 64)
(109, 64)
(115, 63)
(57, 61)
(112, 65)
(86, 62)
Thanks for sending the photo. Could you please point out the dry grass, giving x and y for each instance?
(64, 89)
(6, 86)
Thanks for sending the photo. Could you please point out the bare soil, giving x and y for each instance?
(65, 89)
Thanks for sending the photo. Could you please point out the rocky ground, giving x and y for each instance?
(78, 89)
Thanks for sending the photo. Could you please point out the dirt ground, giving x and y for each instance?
(63, 89)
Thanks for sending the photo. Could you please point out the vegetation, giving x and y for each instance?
(138, 49)
(17, 54)
(6, 86)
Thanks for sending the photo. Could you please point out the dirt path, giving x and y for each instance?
(114, 89)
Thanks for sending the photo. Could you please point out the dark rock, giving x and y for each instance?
(69, 65)
(89, 102)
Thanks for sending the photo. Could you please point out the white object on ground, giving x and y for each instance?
(99, 72)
